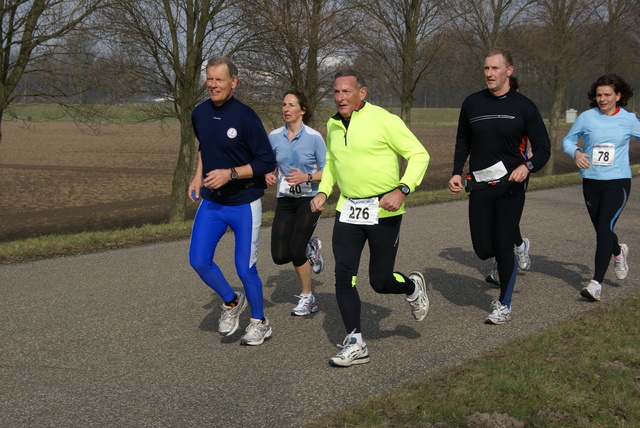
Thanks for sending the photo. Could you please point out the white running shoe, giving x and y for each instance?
(256, 332)
(306, 305)
(500, 313)
(419, 306)
(620, 262)
(524, 261)
(492, 277)
(352, 353)
(313, 254)
(229, 318)
(592, 291)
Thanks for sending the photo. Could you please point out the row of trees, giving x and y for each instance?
(414, 52)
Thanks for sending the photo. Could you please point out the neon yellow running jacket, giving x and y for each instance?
(362, 160)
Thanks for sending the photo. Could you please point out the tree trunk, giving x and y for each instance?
(311, 80)
(182, 172)
(409, 54)
(1, 116)
(559, 89)
(406, 102)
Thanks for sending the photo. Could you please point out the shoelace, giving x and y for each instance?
(312, 253)
(227, 313)
(254, 329)
(414, 303)
(347, 341)
(303, 302)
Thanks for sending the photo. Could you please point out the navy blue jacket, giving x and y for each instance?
(230, 136)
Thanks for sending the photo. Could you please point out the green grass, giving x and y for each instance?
(36, 111)
(65, 245)
(41, 112)
(132, 113)
(431, 116)
(581, 373)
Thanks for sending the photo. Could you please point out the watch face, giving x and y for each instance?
(405, 189)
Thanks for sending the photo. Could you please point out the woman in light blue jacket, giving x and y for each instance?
(604, 166)
(301, 155)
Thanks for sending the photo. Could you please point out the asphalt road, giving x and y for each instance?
(128, 337)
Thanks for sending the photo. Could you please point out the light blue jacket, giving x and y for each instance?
(597, 129)
(306, 152)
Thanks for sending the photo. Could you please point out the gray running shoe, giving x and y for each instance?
(592, 291)
(229, 318)
(492, 277)
(500, 313)
(351, 353)
(620, 262)
(256, 332)
(313, 254)
(306, 306)
(524, 261)
(419, 306)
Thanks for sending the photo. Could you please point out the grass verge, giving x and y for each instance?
(65, 245)
(581, 373)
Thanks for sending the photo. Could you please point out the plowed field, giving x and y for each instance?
(57, 178)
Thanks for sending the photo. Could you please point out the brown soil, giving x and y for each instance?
(57, 178)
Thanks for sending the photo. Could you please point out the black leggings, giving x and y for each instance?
(494, 217)
(605, 200)
(518, 241)
(348, 242)
(293, 225)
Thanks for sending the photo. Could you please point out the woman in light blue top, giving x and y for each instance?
(301, 155)
(604, 166)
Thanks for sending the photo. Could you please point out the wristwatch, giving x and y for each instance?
(529, 165)
(234, 174)
(310, 178)
(404, 189)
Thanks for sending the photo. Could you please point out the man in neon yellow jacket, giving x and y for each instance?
(363, 142)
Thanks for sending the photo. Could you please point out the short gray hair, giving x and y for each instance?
(220, 60)
(350, 72)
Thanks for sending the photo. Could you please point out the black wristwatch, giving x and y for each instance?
(404, 189)
(529, 165)
(234, 174)
(310, 178)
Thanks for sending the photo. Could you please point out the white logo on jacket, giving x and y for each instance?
(232, 133)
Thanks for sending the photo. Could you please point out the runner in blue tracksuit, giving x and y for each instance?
(234, 156)
(604, 166)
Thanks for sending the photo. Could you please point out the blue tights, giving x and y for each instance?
(209, 226)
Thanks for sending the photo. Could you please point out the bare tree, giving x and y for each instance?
(297, 46)
(563, 40)
(483, 25)
(402, 38)
(619, 17)
(170, 40)
(487, 24)
(32, 30)
(65, 74)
